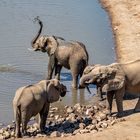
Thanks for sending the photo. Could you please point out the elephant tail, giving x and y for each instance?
(86, 58)
(17, 115)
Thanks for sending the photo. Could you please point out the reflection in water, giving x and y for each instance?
(81, 20)
(78, 96)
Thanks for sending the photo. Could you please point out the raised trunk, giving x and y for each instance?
(39, 32)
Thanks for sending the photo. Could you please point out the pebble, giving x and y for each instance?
(55, 134)
(113, 122)
(70, 110)
(54, 109)
(93, 131)
(40, 135)
(82, 125)
(78, 119)
(84, 131)
(56, 117)
(76, 131)
(91, 127)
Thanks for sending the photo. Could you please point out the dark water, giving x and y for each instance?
(82, 20)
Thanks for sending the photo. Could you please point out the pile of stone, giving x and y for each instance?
(78, 119)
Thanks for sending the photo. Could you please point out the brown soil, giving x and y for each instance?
(125, 19)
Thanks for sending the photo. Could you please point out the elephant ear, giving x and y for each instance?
(52, 91)
(52, 44)
(41, 41)
(115, 79)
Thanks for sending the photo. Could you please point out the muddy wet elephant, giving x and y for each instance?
(71, 55)
(33, 99)
(115, 79)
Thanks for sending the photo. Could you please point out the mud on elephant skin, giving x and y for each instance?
(71, 55)
(115, 79)
(35, 99)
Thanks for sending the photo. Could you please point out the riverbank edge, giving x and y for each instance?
(105, 6)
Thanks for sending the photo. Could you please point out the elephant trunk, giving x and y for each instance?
(87, 79)
(39, 32)
(63, 91)
(63, 94)
(82, 81)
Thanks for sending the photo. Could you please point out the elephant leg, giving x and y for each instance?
(75, 73)
(25, 120)
(17, 129)
(43, 118)
(24, 127)
(57, 71)
(137, 107)
(119, 101)
(51, 65)
(99, 93)
(110, 95)
(74, 81)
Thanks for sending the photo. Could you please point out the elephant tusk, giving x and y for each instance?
(88, 90)
(30, 49)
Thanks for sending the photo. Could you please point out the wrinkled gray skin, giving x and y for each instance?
(99, 89)
(115, 79)
(71, 55)
(33, 99)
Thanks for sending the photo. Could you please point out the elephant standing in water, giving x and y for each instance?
(115, 79)
(33, 99)
(71, 55)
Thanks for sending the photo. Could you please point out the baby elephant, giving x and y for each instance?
(33, 99)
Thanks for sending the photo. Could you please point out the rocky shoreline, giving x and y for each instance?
(77, 119)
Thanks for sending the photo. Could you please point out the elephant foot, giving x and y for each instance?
(120, 114)
(18, 135)
(102, 99)
(74, 86)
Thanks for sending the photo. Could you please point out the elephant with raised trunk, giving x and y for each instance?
(35, 99)
(115, 79)
(71, 55)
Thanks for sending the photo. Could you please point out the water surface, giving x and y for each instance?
(81, 20)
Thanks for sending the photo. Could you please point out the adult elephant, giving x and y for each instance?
(115, 79)
(33, 99)
(71, 55)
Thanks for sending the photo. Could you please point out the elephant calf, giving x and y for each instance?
(33, 99)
